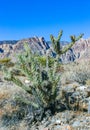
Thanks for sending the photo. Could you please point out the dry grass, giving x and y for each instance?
(88, 82)
(5, 105)
(12, 112)
(9, 108)
(76, 72)
(4, 94)
(2, 112)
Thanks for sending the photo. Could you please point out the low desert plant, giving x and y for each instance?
(88, 82)
(82, 73)
(5, 60)
(81, 77)
(76, 72)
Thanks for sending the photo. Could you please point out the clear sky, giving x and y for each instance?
(26, 18)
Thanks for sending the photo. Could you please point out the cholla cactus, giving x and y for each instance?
(44, 80)
(43, 83)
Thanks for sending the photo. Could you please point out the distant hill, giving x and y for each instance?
(9, 42)
(80, 51)
(9, 48)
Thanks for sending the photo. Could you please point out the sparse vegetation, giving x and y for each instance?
(43, 76)
(76, 72)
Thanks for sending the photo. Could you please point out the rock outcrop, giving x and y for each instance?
(36, 44)
(80, 51)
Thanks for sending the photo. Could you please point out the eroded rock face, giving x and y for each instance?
(82, 48)
(36, 44)
(68, 57)
(80, 51)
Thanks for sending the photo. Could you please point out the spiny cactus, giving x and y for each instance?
(43, 84)
(44, 80)
(57, 46)
(42, 60)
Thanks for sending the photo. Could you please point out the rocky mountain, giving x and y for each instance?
(9, 42)
(36, 44)
(80, 51)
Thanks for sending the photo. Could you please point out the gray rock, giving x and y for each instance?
(76, 123)
(89, 107)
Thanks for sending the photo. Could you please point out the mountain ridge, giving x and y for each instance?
(80, 50)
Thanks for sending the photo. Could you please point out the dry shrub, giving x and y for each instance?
(76, 72)
(10, 109)
(88, 82)
(4, 94)
(2, 112)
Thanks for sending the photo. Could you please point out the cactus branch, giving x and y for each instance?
(60, 35)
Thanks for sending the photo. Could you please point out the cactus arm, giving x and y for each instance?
(23, 100)
(18, 83)
(67, 48)
(80, 36)
(73, 39)
(52, 40)
(60, 35)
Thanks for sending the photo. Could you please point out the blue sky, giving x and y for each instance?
(26, 18)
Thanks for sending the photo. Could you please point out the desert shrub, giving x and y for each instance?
(81, 72)
(14, 117)
(81, 77)
(76, 72)
(88, 82)
(5, 60)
